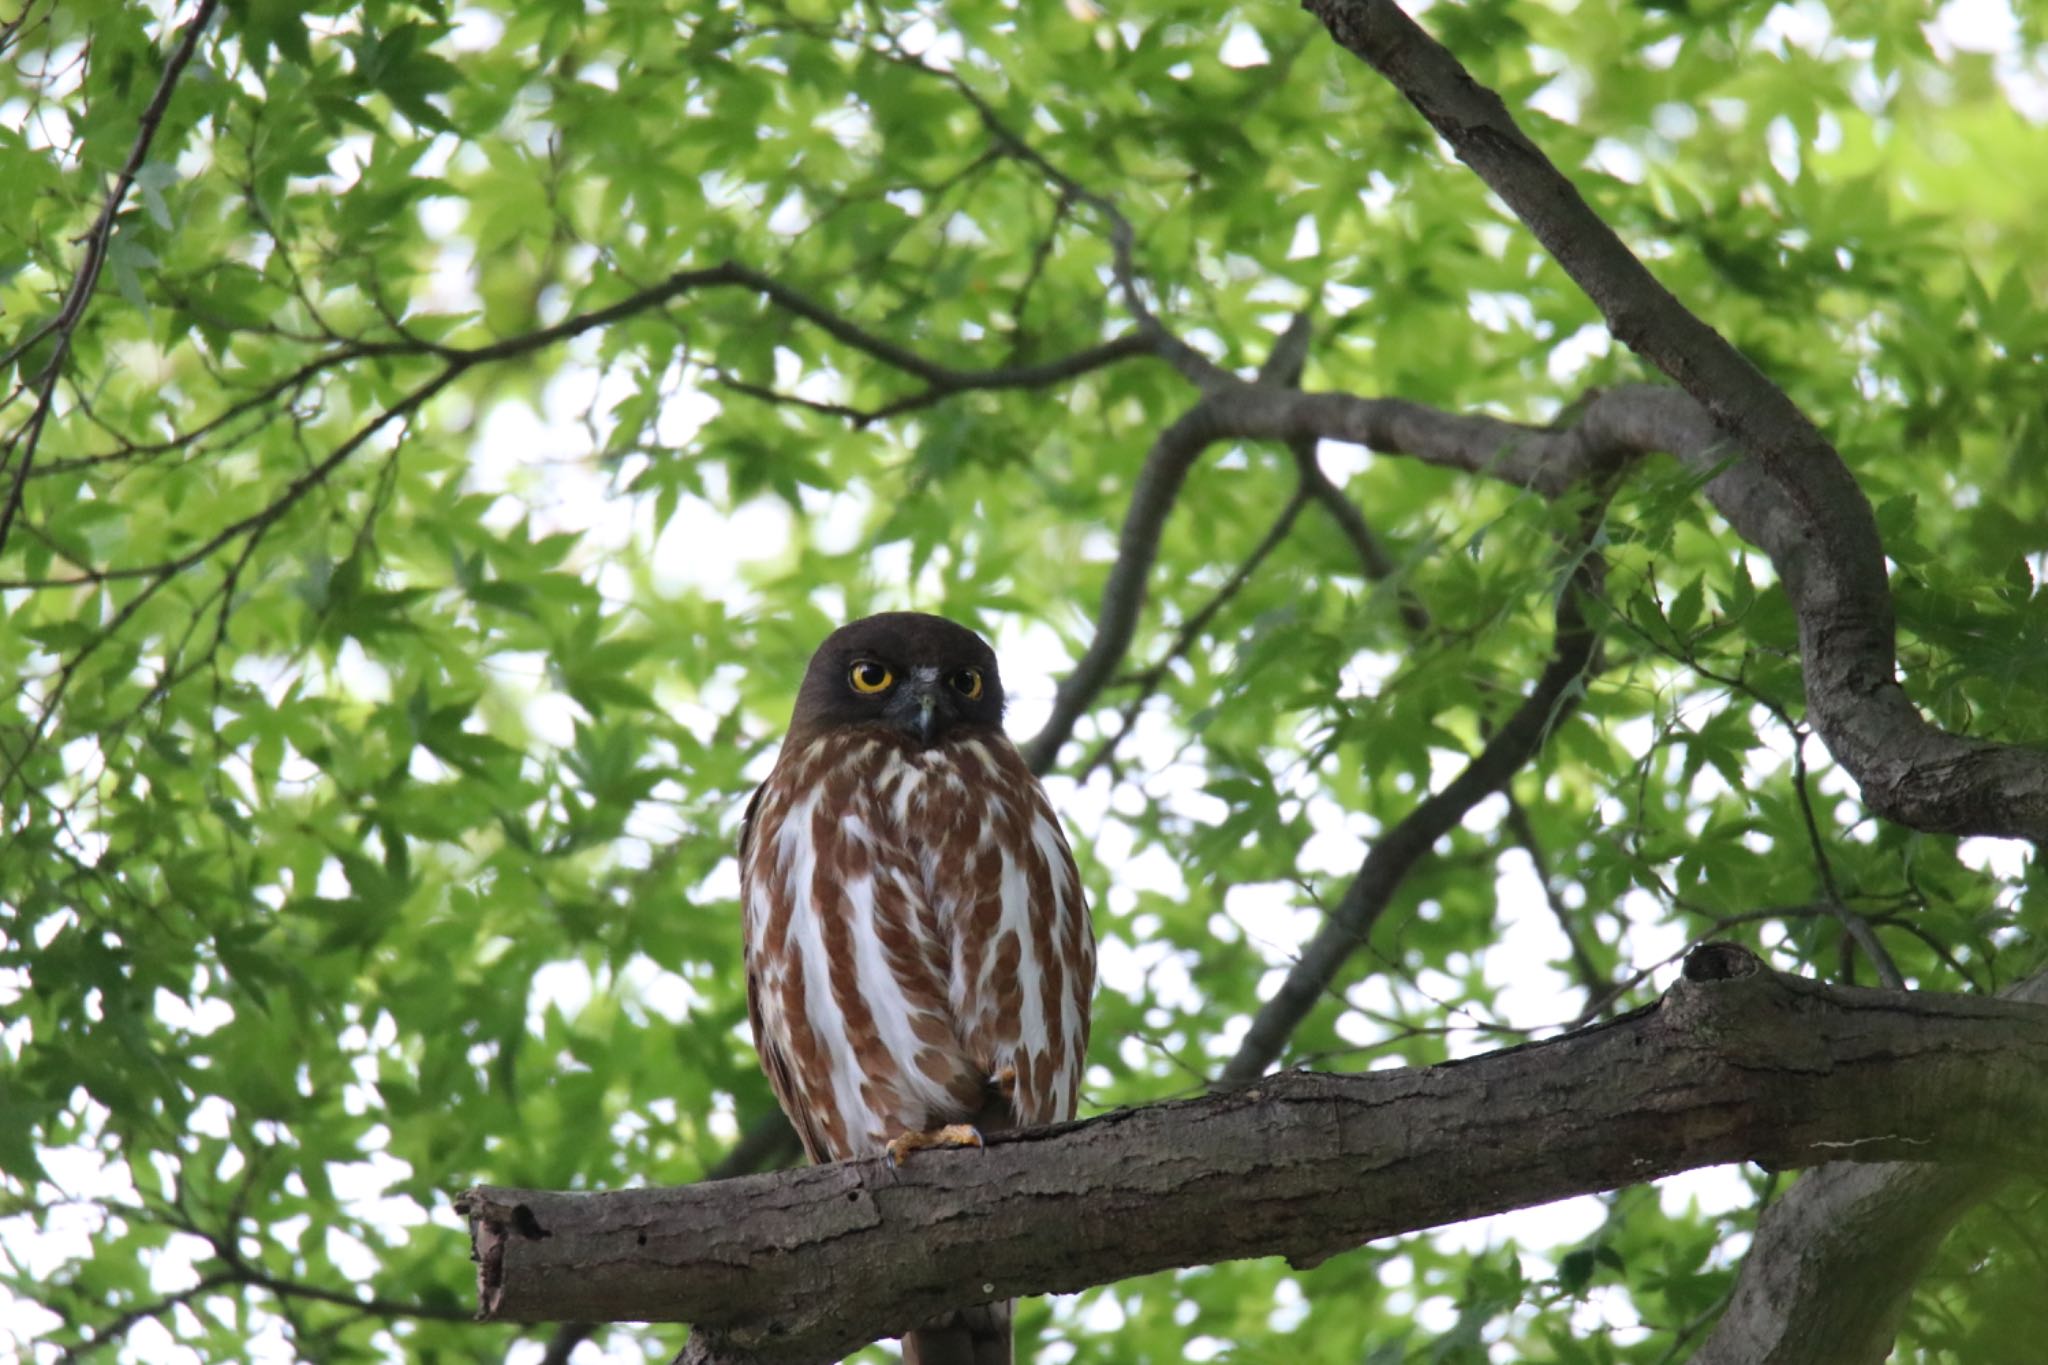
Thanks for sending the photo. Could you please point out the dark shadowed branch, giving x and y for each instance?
(453, 364)
(1283, 367)
(942, 381)
(1613, 427)
(1736, 1063)
(948, 383)
(1401, 846)
(1123, 594)
(228, 1270)
(114, 1332)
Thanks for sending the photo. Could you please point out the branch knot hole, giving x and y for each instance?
(1720, 961)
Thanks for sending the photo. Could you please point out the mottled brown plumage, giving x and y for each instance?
(918, 946)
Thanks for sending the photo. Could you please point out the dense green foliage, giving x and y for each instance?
(382, 671)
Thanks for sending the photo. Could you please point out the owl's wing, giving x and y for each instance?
(747, 824)
(781, 1081)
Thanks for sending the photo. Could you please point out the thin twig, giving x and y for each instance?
(111, 1333)
(1400, 847)
(1853, 923)
(1197, 368)
(65, 323)
(1148, 681)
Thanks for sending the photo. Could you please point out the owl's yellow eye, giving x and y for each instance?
(967, 682)
(869, 677)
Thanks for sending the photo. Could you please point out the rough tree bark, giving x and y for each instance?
(1737, 1062)
(1827, 1277)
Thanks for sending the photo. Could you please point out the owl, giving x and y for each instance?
(919, 954)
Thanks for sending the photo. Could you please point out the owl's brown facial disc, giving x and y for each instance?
(922, 676)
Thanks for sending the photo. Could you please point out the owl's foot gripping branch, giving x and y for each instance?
(899, 1148)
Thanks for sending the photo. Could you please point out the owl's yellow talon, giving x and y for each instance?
(952, 1135)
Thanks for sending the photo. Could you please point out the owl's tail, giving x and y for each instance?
(970, 1336)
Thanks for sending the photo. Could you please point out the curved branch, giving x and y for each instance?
(947, 383)
(1909, 770)
(942, 378)
(942, 381)
(1214, 416)
(1283, 366)
(1547, 461)
(1736, 1063)
(1833, 1262)
(457, 361)
(1123, 595)
(1377, 566)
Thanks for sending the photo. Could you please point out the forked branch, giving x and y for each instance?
(1833, 567)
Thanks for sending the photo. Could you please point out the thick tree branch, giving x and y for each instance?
(1736, 1063)
(768, 1145)
(1908, 769)
(1834, 1259)
(1614, 425)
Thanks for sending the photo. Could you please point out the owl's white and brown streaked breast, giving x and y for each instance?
(914, 926)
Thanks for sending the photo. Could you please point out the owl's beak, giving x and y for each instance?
(920, 708)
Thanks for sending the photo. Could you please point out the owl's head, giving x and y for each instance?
(923, 676)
